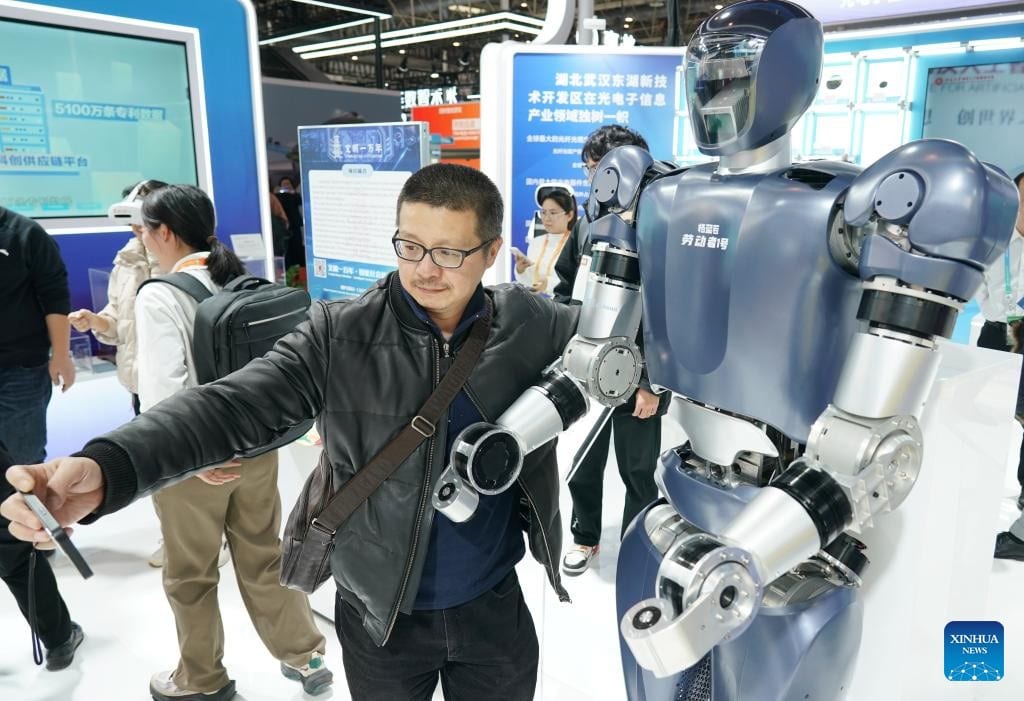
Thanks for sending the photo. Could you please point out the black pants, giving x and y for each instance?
(637, 445)
(52, 618)
(993, 336)
(484, 650)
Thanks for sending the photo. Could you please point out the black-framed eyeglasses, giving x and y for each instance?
(442, 257)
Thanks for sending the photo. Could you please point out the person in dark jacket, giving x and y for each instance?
(57, 632)
(34, 306)
(636, 425)
(419, 597)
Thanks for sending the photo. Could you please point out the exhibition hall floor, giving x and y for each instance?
(130, 632)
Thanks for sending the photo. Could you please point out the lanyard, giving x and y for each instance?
(541, 284)
(1009, 303)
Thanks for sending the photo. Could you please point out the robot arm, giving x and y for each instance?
(601, 361)
(931, 218)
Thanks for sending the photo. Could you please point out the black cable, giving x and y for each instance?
(37, 645)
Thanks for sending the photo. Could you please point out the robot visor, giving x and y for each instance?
(719, 81)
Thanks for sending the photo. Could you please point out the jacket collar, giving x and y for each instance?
(411, 314)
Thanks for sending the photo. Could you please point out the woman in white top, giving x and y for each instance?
(239, 501)
(557, 203)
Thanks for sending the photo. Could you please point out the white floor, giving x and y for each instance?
(130, 633)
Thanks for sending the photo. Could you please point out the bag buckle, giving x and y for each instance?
(424, 427)
(321, 528)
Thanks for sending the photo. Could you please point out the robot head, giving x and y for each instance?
(752, 70)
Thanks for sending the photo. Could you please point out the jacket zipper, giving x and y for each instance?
(419, 514)
(562, 594)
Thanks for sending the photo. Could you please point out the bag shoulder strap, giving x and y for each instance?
(184, 282)
(366, 481)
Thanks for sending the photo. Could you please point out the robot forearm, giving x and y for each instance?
(487, 458)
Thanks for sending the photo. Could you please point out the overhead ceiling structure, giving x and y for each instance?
(323, 39)
(429, 43)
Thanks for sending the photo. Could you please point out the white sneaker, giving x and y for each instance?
(225, 555)
(314, 676)
(577, 560)
(163, 688)
(157, 558)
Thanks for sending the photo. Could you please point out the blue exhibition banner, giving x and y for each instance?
(560, 98)
(351, 177)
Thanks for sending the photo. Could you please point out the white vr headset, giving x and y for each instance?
(129, 209)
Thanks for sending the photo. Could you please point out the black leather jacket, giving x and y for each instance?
(364, 367)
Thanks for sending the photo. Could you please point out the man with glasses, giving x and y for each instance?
(636, 424)
(419, 597)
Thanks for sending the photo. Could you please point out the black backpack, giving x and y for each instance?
(238, 323)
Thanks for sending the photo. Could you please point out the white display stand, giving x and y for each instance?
(931, 560)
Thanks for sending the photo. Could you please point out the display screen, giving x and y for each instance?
(85, 114)
(979, 105)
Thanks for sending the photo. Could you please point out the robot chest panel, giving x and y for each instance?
(744, 308)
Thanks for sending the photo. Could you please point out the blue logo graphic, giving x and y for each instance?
(974, 651)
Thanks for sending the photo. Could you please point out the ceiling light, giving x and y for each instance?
(466, 9)
(496, 17)
(401, 51)
(628, 19)
(310, 32)
(433, 72)
(355, 58)
(524, 5)
(387, 85)
(718, 7)
(405, 41)
(345, 8)
(625, 26)
(456, 44)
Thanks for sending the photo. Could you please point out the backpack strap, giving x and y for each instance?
(245, 282)
(184, 282)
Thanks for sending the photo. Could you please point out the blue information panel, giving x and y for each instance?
(558, 99)
(351, 177)
(979, 106)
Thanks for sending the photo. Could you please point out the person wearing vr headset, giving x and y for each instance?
(558, 215)
(114, 325)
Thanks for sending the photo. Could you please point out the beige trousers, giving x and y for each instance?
(193, 517)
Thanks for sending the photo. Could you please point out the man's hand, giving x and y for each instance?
(646, 404)
(218, 475)
(71, 488)
(62, 371)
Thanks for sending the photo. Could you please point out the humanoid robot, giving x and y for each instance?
(793, 310)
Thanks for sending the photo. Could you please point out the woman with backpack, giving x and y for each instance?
(239, 501)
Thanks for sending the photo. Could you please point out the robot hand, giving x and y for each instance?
(708, 593)
(487, 458)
